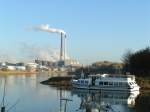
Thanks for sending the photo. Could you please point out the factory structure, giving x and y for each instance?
(64, 63)
(64, 60)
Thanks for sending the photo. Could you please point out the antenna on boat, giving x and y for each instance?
(82, 73)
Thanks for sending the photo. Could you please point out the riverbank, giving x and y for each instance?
(17, 72)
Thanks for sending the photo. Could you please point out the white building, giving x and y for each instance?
(72, 62)
(21, 68)
(31, 66)
(10, 67)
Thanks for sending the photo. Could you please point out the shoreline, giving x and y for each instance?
(17, 72)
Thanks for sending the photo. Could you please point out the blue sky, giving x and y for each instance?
(97, 29)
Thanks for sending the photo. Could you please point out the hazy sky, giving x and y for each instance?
(96, 29)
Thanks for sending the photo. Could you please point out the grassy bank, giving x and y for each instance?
(143, 82)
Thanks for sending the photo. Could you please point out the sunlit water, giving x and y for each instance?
(26, 94)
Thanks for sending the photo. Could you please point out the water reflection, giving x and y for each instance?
(35, 97)
(32, 95)
(105, 101)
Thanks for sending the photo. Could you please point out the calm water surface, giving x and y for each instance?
(31, 96)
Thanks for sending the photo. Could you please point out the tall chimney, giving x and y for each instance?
(61, 47)
(64, 47)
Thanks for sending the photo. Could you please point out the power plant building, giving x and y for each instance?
(71, 62)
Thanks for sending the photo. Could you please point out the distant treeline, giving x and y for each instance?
(137, 63)
(102, 67)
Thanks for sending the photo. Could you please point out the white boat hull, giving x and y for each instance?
(105, 88)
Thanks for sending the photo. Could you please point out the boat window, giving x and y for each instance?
(125, 84)
(100, 83)
(115, 83)
(82, 81)
(120, 84)
(105, 83)
(86, 81)
(110, 83)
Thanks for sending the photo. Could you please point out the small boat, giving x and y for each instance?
(106, 82)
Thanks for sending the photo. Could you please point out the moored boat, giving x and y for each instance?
(107, 82)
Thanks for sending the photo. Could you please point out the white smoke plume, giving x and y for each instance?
(31, 52)
(42, 53)
(46, 28)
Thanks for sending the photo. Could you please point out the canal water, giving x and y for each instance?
(24, 93)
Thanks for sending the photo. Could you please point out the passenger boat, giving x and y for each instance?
(106, 82)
